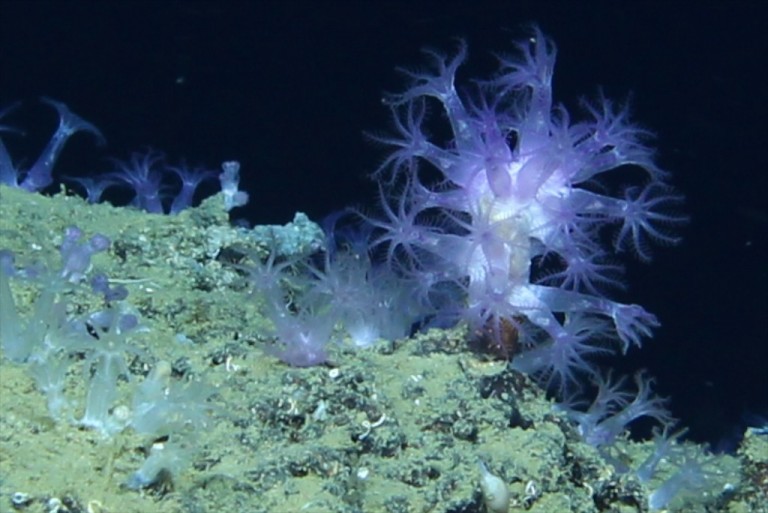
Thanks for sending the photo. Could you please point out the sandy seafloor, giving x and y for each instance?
(395, 428)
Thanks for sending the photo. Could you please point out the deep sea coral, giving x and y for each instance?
(519, 217)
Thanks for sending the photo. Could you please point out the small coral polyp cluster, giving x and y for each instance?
(517, 218)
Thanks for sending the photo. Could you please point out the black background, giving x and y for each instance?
(289, 88)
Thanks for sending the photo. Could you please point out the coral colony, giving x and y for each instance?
(503, 223)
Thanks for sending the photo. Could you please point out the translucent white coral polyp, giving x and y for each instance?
(519, 189)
